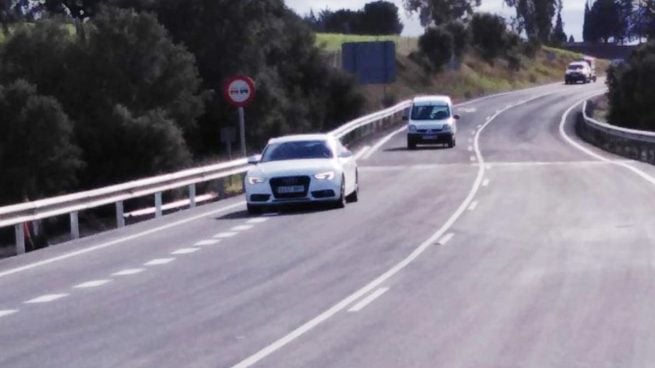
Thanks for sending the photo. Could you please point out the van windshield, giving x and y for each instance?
(576, 67)
(430, 112)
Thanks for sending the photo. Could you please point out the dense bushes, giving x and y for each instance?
(631, 92)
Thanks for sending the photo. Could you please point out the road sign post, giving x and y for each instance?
(240, 91)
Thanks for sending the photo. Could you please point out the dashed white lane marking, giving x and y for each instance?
(446, 238)
(473, 132)
(117, 241)
(368, 300)
(224, 235)
(489, 167)
(470, 148)
(46, 298)
(473, 158)
(185, 251)
(7, 312)
(258, 220)
(242, 228)
(486, 182)
(159, 261)
(128, 272)
(207, 242)
(362, 152)
(92, 284)
(473, 206)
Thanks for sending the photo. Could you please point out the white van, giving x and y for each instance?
(431, 120)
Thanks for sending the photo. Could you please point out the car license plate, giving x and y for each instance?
(291, 189)
(430, 137)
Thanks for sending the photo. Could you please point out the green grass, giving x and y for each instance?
(332, 41)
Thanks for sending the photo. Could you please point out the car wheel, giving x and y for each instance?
(254, 210)
(411, 145)
(451, 143)
(341, 202)
(354, 196)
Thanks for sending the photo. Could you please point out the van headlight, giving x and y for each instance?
(412, 128)
(446, 128)
(327, 175)
(252, 180)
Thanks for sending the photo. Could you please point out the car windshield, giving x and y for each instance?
(297, 151)
(430, 112)
(575, 67)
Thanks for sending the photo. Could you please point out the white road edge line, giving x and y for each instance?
(382, 141)
(446, 238)
(91, 284)
(362, 152)
(577, 145)
(117, 241)
(128, 272)
(368, 300)
(309, 325)
(473, 206)
(6, 312)
(46, 298)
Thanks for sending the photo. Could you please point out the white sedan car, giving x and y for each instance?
(301, 168)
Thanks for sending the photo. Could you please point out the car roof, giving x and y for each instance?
(432, 99)
(300, 138)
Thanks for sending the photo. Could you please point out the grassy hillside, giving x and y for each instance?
(475, 77)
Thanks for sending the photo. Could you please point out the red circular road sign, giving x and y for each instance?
(239, 90)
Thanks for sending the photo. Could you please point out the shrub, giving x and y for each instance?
(437, 45)
(489, 33)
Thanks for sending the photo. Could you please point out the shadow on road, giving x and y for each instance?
(286, 210)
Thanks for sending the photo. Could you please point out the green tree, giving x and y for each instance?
(439, 12)
(37, 153)
(631, 93)
(558, 36)
(607, 21)
(381, 18)
(437, 45)
(587, 26)
(489, 33)
(535, 17)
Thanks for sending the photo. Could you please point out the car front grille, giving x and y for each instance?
(289, 181)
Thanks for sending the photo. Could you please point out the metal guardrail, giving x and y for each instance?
(20, 214)
(631, 143)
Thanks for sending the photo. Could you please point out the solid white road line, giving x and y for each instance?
(446, 238)
(327, 314)
(182, 251)
(473, 206)
(224, 235)
(362, 152)
(46, 298)
(92, 284)
(117, 241)
(368, 300)
(258, 220)
(486, 182)
(7, 312)
(159, 261)
(207, 242)
(382, 141)
(589, 152)
(128, 272)
(242, 228)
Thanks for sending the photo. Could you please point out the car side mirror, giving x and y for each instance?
(346, 154)
(254, 160)
(456, 117)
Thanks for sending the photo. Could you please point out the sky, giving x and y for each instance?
(572, 14)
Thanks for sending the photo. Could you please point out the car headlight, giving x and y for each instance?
(252, 180)
(446, 128)
(411, 128)
(327, 175)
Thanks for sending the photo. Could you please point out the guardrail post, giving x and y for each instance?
(75, 225)
(192, 195)
(158, 211)
(20, 238)
(120, 218)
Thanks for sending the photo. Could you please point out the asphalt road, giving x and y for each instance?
(515, 249)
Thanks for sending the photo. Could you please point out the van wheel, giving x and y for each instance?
(411, 145)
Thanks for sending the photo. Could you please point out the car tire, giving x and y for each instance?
(341, 202)
(411, 144)
(451, 143)
(254, 209)
(354, 196)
